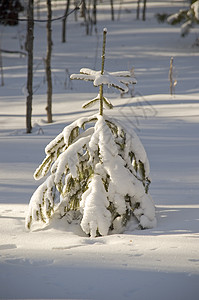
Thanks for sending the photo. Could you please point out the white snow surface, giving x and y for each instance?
(61, 262)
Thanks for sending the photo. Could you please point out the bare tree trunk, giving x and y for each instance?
(48, 63)
(1, 68)
(112, 10)
(83, 9)
(64, 22)
(94, 12)
(120, 9)
(29, 48)
(76, 2)
(89, 20)
(102, 72)
(138, 10)
(144, 11)
(1, 65)
(86, 14)
(171, 76)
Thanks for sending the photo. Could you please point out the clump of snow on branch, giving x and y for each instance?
(94, 204)
(185, 28)
(195, 7)
(100, 172)
(119, 80)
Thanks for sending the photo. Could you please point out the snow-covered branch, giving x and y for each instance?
(119, 80)
(188, 18)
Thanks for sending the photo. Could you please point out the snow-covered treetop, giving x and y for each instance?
(119, 80)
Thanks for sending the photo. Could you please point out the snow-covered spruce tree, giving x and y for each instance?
(99, 170)
(188, 17)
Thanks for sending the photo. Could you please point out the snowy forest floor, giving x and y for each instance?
(61, 262)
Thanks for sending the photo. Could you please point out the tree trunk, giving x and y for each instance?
(138, 10)
(112, 11)
(86, 14)
(144, 11)
(83, 9)
(29, 48)
(171, 76)
(76, 2)
(94, 12)
(48, 63)
(1, 68)
(102, 72)
(64, 22)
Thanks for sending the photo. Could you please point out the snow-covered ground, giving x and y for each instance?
(61, 261)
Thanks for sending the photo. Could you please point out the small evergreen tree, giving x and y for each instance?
(99, 170)
(188, 17)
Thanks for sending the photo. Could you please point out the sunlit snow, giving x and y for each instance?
(62, 262)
